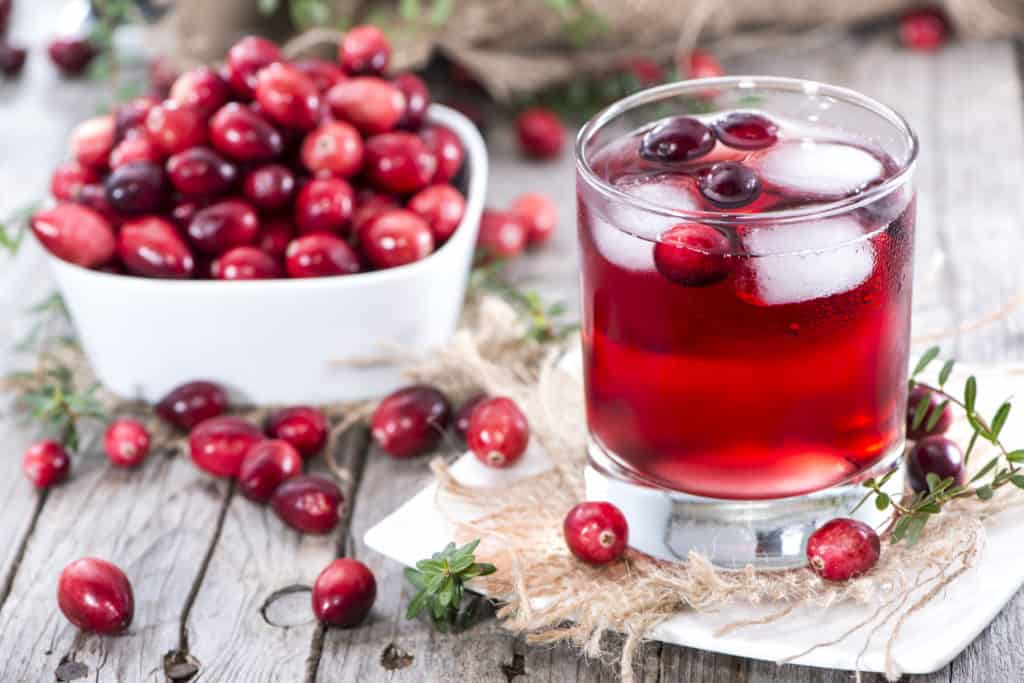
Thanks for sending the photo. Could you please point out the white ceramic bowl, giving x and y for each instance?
(278, 341)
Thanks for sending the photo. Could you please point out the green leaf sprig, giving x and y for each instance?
(440, 582)
(14, 228)
(544, 321)
(53, 398)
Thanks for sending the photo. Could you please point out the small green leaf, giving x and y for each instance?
(1000, 419)
(970, 394)
(915, 527)
(933, 481)
(1016, 456)
(926, 359)
(430, 566)
(947, 370)
(985, 492)
(882, 501)
(1018, 481)
(986, 469)
(935, 416)
(416, 605)
(921, 411)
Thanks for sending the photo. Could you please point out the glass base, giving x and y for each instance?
(766, 534)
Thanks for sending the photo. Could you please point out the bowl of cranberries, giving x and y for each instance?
(273, 225)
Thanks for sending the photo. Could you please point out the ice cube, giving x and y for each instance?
(804, 261)
(827, 169)
(624, 250)
(672, 192)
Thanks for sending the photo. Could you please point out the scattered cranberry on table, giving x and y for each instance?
(502, 235)
(126, 442)
(701, 64)
(411, 421)
(188, 404)
(308, 503)
(596, 532)
(540, 132)
(266, 466)
(344, 593)
(539, 214)
(304, 427)
(843, 549)
(12, 59)
(924, 30)
(71, 55)
(46, 463)
(219, 444)
(943, 421)
(95, 595)
(934, 455)
(462, 415)
(646, 71)
(498, 432)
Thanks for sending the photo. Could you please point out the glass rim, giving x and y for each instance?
(777, 83)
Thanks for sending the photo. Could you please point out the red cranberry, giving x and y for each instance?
(94, 196)
(442, 207)
(308, 503)
(945, 420)
(243, 134)
(151, 247)
(934, 455)
(596, 532)
(201, 172)
(46, 463)
(744, 130)
(202, 89)
(68, 179)
(320, 255)
(275, 235)
(540, 132)
(498, 432)
(369, 206)
(371, 104)
(334, 148)
(5, 15)
(184, 211)
(96, 596)
(217, 445)
(364, 50)
(126, 443)
(539, 214)
(270, 187)
(174, 127)
(417, 100)
(135, 148)
(701, 64)
(647, 72)
(136, 188)
(324, 205)
(396, 237)
(729, 184)
(288, 96)
(502, 235)
(325, 75)
(303, 427)
(71, 55)
(92, 140)
(245, 60)
(221, 226)
(130, 117)
(188, 404)
(447, 149)
(265, 467)
(163, 72)
(694, 255)
(245, 263)
(464, 413)
(924, 30)
(679, 139)
(843, 549)
(12, 59)
(75, 234)
(344, 593)
(411, 421)
(399, 162)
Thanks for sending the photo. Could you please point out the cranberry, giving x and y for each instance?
(701, 64)
(596, 532)
(744, 130)
(288, 96)
(130, 117)
(217, 445)
(221, 226)
(417, 100)
(275, 236)
(5, 15)
(12, 59)
(71, 55)
(334, 148)
(945, 420)
(245, 60)
(647, 72)
(202, 89)
(243, 134)
(174, 127)
(245, 263)
(502, 235)
(344, 593)
(498, 432)
(729, 184)
(843, 549)
(399, 162)
(325, 75)
(69, 178)
(184, 211)
(679, 139)
(540, 132)
(934, 455)
(364, 50)
(411, 421)
(135, 148)
(265, 466)
(924, 30)
(539, 214)
(694, 255)
(371, 104)
(303, 427)
(320, 255)
(126, 443)
(136, 188)
(92, 140)
(151, 247)
(46, 463)
(442, 207)
(308, 503)
(464, 412)
(324, 205)
(447, 149)
(163, 72)
(369, 206)
(188, 404)
(96, 596)
(201, 172)
(270, 187)
(396, 237)
(75, 234)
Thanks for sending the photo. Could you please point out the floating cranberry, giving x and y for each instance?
(217, 445)
(334, 148)
(596, 532)
(944, 421)
(288, 96)
(202, 89)
(371, 104)
(325, 75)
(126, 443)
(245, 263)
(442, 207)
(502, 235)
(303, 427)
(241, 133)
(221, 226)
(12, 59)
(934, 455)
(465, 411)
(71, 55)
(701, 64)
(68, 179)
(843, 549)
(399, 162)
(417, 100)
(201, 172)
(245, 60)
(137, 188)
(540, 132)
(679, 139)
(270, 187)
(188, 404)
(75, 234)
(135, 148)
(447, 149)
(46, 463)
(324, 205)
(729, 184)
(498, 432)
(395, 238)
(151, 247)
(344, 593)
(369, 206)
(308, 503)
(694, 255)
(364, 50)
(745, 130)
(411, 421)
(320, 255)
(92, 140)
(265, 466)
(96, 596)
(275, 235)
(924, 30)
(174, 127)
(539, 214)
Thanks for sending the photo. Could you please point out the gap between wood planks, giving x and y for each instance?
(19, 554)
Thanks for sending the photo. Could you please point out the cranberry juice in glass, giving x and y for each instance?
(746, 276)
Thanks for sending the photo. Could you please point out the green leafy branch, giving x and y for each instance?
(440, 583)
(14, 228)
(52, 397)
(51, 326)
(110, 14)
(544, 321)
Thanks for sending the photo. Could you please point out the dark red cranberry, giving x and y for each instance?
(288, 96)
(270, 187)
(163, 72)
(126, 442)
(303, 427)
(369, 206)
(96, 596)
(266, 466)
(135, 148)
(68, 179)
(502, 235)
(334, 148)
(94, 196)
(934, 455)
(447, 149)
(744, 130)
(944, 421)
(325, 75)
(241, 133)
(701, 64)
(442, 207)
(411, 421)
(924, 30)
(320, 255)
(188, 404)
(417, 100)
(308, 503)
(75, 234)
(46, 463)
(540, 132)
(729, 184)
(539, 214)
(5, 15)
(679, 139)
(92, 140)
(202, 89)
(137, 188)
(498, 432)
(184, 211)
(371, 104)
(464, 412)
(217, 445)
(364, 50)
(151, 247)
(174, 127)
(245, 263)
(201, 172)
(324, 205)
(221, 226)
(694, 255)
(245, 60)
(71, 55)
(596, 532)
(275, 235)
(399, 162)
(130, 117)
(843, 549)
(12, 59)
(344, 593)
(394, 238)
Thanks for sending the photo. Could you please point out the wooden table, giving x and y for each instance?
(211, 570)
